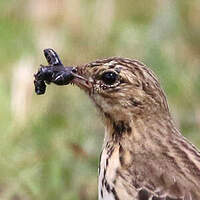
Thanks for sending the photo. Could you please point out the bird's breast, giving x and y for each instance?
(110, 183)
(109, 163)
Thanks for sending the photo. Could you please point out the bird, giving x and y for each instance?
(144, 156)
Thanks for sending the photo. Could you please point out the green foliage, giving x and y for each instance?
(49, 145)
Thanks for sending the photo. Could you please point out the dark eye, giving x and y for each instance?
(109, 78)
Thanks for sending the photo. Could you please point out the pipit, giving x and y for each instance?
(144, 156)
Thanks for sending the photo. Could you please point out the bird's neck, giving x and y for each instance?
(137, 129)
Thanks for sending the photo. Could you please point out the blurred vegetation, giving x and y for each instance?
(49, 145)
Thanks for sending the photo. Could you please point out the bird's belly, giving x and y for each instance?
(111, 186)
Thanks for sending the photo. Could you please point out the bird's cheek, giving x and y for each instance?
(103, 103)
(100, 102)
(97, 89)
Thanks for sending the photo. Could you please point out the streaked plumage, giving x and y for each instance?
(144, 156)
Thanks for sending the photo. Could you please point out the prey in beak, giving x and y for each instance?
(57, 73)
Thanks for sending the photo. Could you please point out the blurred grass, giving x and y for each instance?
(49, 145)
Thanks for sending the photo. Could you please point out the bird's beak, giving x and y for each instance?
(81, 81)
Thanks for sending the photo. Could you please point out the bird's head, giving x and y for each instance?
(122, 88)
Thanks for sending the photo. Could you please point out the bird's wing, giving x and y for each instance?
(165, 187)
(150, 183)
(145, 194)
(159, 176)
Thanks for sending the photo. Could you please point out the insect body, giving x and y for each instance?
(54, 73)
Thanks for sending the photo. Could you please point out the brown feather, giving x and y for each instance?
(144, 156)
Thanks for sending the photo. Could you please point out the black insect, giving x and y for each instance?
(54, 73)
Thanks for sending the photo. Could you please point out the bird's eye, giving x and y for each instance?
(109, 78)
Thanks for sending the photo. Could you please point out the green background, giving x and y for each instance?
(49, 144)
